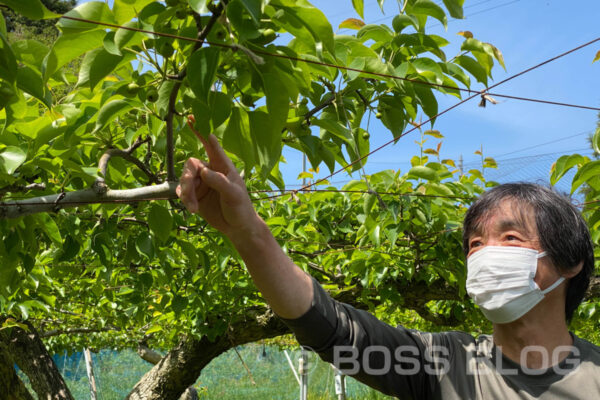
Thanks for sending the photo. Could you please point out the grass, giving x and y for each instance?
(224, 378)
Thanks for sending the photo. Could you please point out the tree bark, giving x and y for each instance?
(55, 202)
(181, 367)
(10, 385)
(30, 354)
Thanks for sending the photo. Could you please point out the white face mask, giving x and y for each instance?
(500, 281)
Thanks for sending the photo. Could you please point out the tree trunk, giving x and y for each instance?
(30, 354)
(181, 367)
(11, 387)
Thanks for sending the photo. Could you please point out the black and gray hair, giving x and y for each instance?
(562, 232)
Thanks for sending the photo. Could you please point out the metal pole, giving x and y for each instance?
(303, 372)
(340, 383)
(303, 168)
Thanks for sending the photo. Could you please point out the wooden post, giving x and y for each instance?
(340, 383)
(303, 372)
(90, 373)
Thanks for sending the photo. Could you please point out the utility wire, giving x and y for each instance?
(448, 109)
(331, 65)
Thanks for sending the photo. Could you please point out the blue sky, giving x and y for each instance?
(527, 32)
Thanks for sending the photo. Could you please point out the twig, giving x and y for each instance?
(245, 366)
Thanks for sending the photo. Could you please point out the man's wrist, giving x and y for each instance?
(255, 232)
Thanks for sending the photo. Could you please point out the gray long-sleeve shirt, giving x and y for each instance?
(410, 364)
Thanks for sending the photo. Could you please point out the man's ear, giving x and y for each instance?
(570, 273)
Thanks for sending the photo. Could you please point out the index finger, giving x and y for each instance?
(215, 152)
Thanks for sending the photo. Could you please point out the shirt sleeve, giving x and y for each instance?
(392, 360)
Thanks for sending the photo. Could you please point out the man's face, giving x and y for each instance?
(512, 225)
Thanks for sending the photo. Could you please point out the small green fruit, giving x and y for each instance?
(152, 95)
(378, 115)
(366, 135)
(133, 88)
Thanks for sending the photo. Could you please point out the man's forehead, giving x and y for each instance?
(507, 216)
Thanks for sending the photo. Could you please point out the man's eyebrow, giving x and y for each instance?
(502, 225)
(507, 224)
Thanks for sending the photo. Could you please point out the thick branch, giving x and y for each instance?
(171, 177)
(11, 385)
(55, 202)
(30, 354)
(147, 354)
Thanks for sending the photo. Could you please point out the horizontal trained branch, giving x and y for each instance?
(56, 202)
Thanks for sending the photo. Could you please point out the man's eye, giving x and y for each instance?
(475, 243)
(511, 237)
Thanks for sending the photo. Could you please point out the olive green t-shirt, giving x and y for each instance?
(410, 364)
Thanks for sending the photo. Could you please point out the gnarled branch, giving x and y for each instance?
(100, 184)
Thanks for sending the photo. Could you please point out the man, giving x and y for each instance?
(530, 260)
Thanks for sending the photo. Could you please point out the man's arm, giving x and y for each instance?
(216, 191)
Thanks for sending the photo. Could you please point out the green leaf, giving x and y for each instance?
(199, 6)
(96, 65)
(160, 222)
(596, 141)
(24, 310)
(178, 304)
(12, 157)
(110, 111)
(32, 9)
(30, 81)
(212, 115)
(126, 37)
(254, 8)
(237, 138)
(154, 329)
(110, 45)
(597, 57)
(8, 63)
(429, 8)
(204, 63)
(473, 67)
(67, 48)
(267, 140)
(144, 245)
(305, 22)
(164, 94)
(30, 52)
(423, 172)
(49, 226)
(359, 7)
(2, 25)
(402, 21)
(277, 97)
(97, 11)
(125, 10)
(427, 100)
(563, 165)
(455, 8)
(585, 173)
